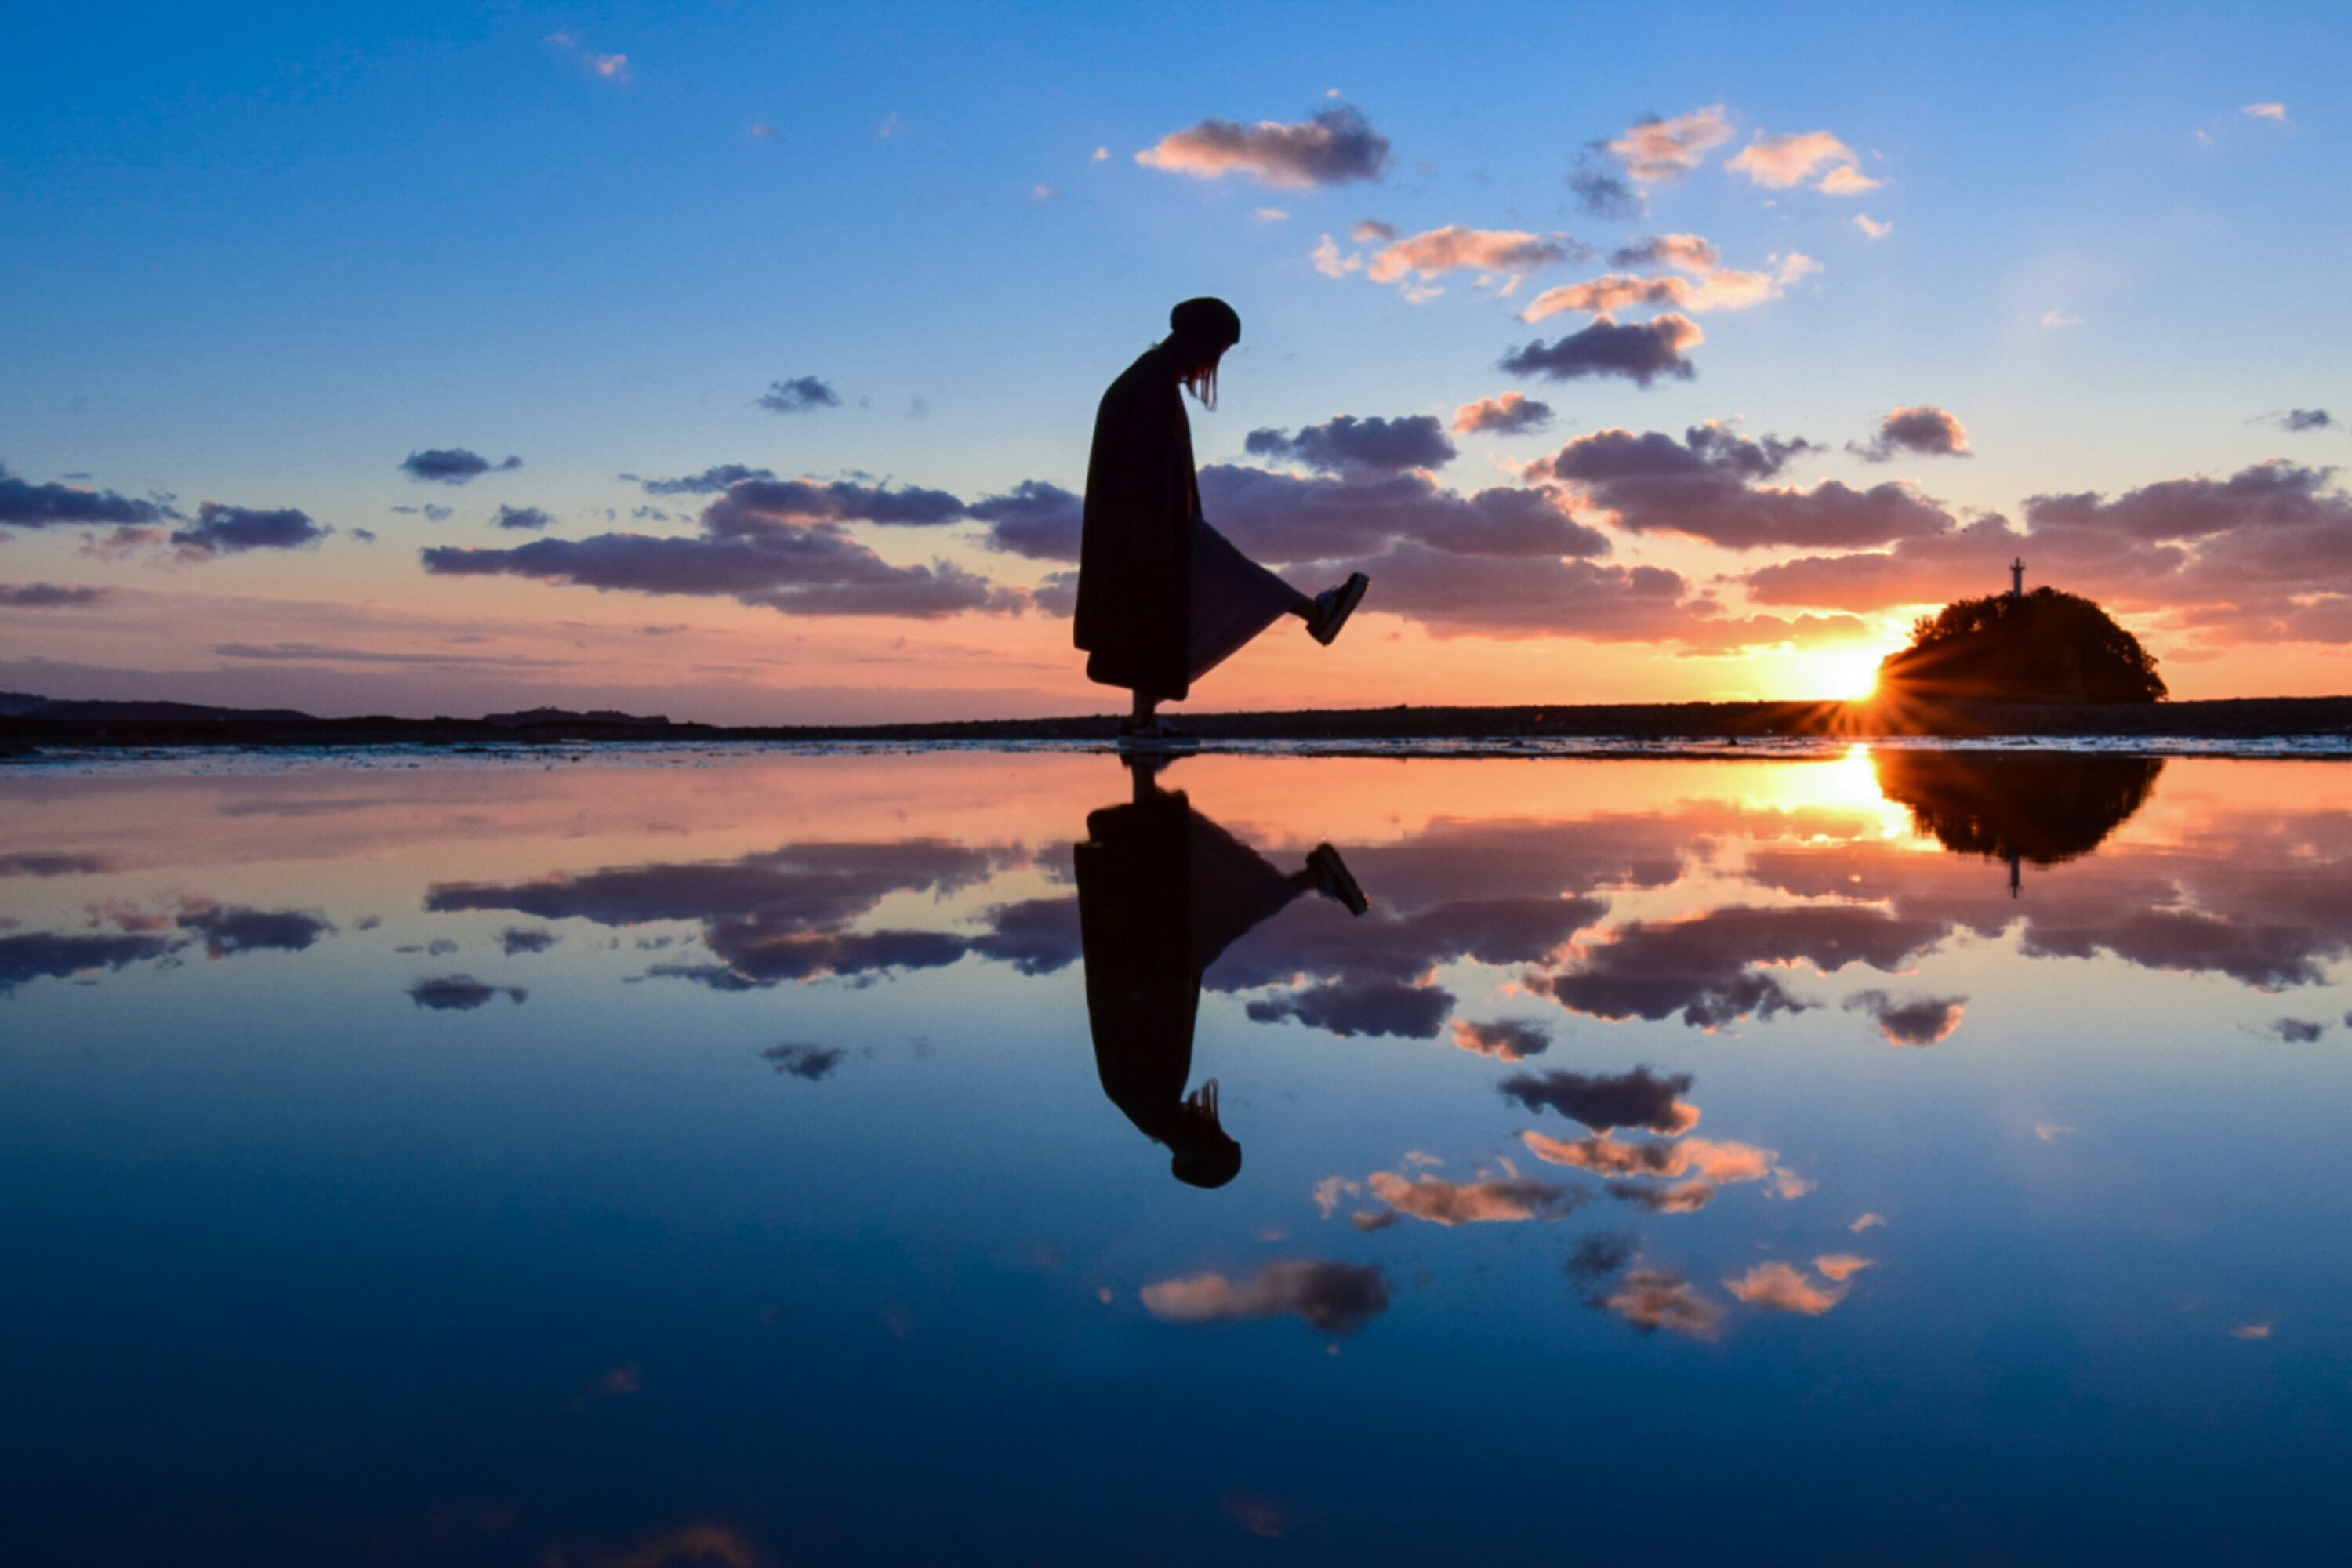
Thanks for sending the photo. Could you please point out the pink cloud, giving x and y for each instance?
(1508, 414)
(1437, 251)
(1505, 1039)
(2258, 556)
(1683, 1198)
(1776, 1287)
(1919, 1021)
(1335, 1298)
(1689, 252)
(1652, 1299)
(1921, 429)
(1848, 181)
(1332, 148)
(1777, 163)
(1712, 288)
(1655, 150)
(1607, 1156)
(1501, 1199)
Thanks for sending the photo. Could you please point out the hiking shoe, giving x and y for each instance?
(1334, 880)
(1334, 606)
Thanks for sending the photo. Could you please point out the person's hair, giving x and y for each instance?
(1201, 331)
(1212, 1162)
(1200, 380)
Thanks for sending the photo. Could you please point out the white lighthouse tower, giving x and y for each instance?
(2017, 578)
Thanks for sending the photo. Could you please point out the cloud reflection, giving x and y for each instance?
(1331, 1298)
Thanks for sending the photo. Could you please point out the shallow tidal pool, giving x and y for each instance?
(798, 1160)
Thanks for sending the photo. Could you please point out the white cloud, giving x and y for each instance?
(1330, 263)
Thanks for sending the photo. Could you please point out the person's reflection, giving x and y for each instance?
(1161, 891)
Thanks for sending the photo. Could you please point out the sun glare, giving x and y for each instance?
(1851, 673)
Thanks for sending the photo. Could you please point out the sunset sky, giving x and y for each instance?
(738, 364)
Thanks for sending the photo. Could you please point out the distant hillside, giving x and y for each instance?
(529, 716)
(24, 705)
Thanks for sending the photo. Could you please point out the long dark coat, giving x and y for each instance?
(1162, 892)
(1135, 588)
(1144, 982)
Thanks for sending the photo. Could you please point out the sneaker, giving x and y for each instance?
(1334, 880)
(1334, 606)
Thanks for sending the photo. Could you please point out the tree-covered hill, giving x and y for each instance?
(2043, 647)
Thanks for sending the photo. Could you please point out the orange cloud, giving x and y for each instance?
(1473, 1203)
(1505, 1039)
(1840, 1266)
(1439, 251)
(1848, 181)
(1919, 1021)
(1715, 288)
(1509, 414)
(1335, 1298)
(1332, 148)
(686, 1543)
(1689, 252)
(1653, 1298)
(1606, 1156)
(1777, 162)
(1778, 1287)
(1683, 1198)
(1655, 150)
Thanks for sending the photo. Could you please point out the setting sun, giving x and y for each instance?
(1849, 672)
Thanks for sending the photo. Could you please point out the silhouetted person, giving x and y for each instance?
(1162, 891)
(1164, 598)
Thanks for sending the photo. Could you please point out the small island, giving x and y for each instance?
(2045, 646)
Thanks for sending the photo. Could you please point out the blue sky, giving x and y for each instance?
(260, 254)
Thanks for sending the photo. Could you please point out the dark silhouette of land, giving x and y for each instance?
(2044, 807)
(2043, 647)
(29, 724)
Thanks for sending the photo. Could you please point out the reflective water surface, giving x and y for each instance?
(969, 1157)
